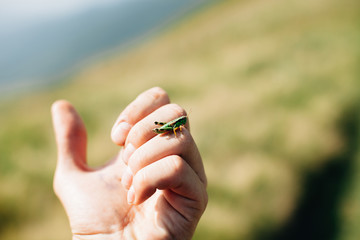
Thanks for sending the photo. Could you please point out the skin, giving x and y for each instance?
(154, 189)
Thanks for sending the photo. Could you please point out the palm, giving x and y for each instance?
(98, 197)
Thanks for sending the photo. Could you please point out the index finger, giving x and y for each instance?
(143, 105)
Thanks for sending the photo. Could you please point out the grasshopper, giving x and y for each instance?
(173, 125)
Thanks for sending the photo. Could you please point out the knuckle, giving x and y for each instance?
(183, 142)
(205, 200)
(157, 93)
(177, 109)
(177, 164)
(60, 182)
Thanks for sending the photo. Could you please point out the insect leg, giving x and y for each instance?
(159, 123)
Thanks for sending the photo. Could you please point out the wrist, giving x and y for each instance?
(109, 236)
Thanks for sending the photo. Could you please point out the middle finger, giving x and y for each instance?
(163, 146)
(142, 131)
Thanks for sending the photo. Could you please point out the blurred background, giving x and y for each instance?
(273, 88)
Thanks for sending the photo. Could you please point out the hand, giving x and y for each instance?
(154, 189)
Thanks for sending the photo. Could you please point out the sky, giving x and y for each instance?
(41, 40)
(18, 11)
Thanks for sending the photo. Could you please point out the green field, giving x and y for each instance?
(272, 87)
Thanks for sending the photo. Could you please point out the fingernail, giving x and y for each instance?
(129, 150)
(120, 132)
(126, 179)
(131, 195)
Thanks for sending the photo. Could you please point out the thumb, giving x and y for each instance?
(70, 136)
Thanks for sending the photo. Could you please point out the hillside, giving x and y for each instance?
(272, 87)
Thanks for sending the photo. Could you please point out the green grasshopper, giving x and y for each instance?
(173, 125)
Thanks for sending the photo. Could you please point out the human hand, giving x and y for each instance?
(154, 189)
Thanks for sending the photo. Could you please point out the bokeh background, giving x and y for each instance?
(272, 86)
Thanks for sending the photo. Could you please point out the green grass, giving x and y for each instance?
(272, 87)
